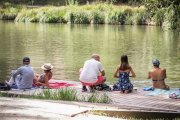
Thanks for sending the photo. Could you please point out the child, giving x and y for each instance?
(122, 73)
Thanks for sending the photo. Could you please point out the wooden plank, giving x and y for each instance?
(138, 100)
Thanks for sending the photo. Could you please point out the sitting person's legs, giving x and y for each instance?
(13, 83)
(101, 80)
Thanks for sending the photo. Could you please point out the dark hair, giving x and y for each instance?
(124, 63)
(26, 59)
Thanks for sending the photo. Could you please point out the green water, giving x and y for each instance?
(68, 46)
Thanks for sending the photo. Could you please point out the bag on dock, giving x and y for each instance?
(175, 95)
(103, 86)
(4, 87)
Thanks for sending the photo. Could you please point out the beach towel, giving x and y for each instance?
(148, 88)
(157, 92)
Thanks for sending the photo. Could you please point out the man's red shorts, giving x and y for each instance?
(99, 81)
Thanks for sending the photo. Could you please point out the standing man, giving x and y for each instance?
(22, 78)
(92, 73)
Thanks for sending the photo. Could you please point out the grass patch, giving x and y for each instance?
(66, 94)
(98, 98)
(69, 94)
(59, 94)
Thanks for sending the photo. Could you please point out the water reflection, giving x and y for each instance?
(68, 46)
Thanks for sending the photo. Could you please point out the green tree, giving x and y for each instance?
(171, 14)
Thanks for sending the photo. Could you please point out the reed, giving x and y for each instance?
(93, 14)
(9, 13)
(98, 17)
(79, 17)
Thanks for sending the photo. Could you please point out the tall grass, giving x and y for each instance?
(69, 94)
(8, 14)
(93, 14)
(96, 14)
(79, 17)
(60, 94)
(50, 15)
(140, 18)
(98, 17)
(98, 98)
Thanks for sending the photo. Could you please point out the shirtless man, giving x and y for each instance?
(158, 76)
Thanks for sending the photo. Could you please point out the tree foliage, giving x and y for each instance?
(167, 10)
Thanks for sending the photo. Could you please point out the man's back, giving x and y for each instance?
(24, 77)
(91, 71)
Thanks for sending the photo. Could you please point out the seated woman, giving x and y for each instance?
(123, 72)
(43, 80)
(158, 76)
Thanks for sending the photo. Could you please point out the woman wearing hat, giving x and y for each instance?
(43, 80)
(158, 76)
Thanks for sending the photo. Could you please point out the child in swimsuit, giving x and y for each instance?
(123, 72)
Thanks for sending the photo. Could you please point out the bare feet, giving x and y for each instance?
(126, 91)
(121, 92)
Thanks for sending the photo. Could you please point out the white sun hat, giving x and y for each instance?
(47, 66)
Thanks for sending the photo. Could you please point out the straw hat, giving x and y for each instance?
(47, 66)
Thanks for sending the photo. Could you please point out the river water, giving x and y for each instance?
(68, 46)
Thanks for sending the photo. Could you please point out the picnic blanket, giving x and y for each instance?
(59, 84)
(52, 85)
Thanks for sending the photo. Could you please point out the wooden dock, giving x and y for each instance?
(138, 100)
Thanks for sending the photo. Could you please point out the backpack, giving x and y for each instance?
(4, 87)
(102, 87)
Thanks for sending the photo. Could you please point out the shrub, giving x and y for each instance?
(27, 16)
(128, 13)
(79, 17)
(139, 18)
(98, 17)
(159, 16)
(48, 17)
(121, 17)
(113, 17)
(171, 19)
(9, 13)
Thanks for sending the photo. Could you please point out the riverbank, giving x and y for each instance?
(30, 109)
(90, 14)
(138, 100)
